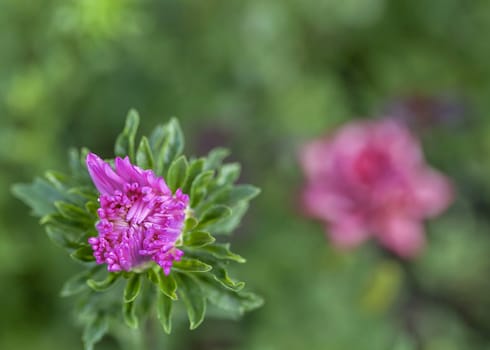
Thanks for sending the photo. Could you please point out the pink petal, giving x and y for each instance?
(104, 178)
(348, 233)
(403, 236)
(434, 193)
(128, 172)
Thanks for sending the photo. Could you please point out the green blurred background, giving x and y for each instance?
(260, 77)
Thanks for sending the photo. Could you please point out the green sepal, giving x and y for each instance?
(105, 284)
(125, 141)
(177, 173)
(196, 239)
(164, 312)
(133, 287)
(94, 330)
(191, 265)
(191, 294)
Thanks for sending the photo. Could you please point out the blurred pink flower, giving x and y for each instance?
(370, 179)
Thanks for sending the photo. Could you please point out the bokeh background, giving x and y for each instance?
(260, 77)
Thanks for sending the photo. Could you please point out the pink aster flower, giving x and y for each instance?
(140, 219)
(370, 179)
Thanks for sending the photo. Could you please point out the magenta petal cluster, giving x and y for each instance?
(369, 179)
(140, 218)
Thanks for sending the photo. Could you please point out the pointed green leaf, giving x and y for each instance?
(177, 173)
(167, 285)
(222, 251)
(84, 254)
(74, 213)
(221, 275)
(191, 265)
(195, 168)
(193, 298)
(132, 288)
(164, 312)
(125, 141)
(229, 224)
(233, 302)
(190, 223)
(198, 188)
(144, 155)
(228, 174)
(215, 158)
(61, 238)
(94, 331)
(242, 193)
(129, 314)
(167, 143)
(39, 195)
(75, 284)
(214, 214)
(197, 239)
(99, 286)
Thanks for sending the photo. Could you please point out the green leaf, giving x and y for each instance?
(94, 331)
(228, 174)
(241, 193)
(214, 214)
(167, 142)
(125, 141)
(61, 238)
(222, 251)
(197, 239)
(230, 223)
(191, 294)
(129, 315)
(234, 302)
(190, 223)
(132, 288)
(198, 188)
(167, 284)
(195, 168)
(144, 155)
(39, 195)
(75, 284)
(221, 275)
(191, 265)
(215, 158)
(74, 213)
(109, 281)
(177, 173)
(164, 312)
(84, 254)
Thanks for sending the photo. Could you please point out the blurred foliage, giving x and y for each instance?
(260, 77)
